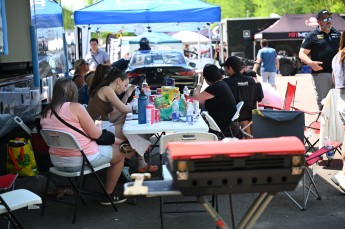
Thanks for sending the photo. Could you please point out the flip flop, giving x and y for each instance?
(153, 168)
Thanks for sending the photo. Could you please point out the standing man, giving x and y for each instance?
(96, 56)
(322, 44)
(269, 61)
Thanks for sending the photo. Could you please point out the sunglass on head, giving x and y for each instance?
(327, 19)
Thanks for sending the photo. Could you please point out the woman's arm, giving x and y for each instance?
(201, 96)
(107, 94)
(85, 120)
(129, 91)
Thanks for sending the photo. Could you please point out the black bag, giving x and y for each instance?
(106, 138)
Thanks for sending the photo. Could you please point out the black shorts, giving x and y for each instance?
(245, 114)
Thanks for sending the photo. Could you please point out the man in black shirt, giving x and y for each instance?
(321, 44)
(242, 87)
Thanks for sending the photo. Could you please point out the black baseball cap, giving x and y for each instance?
(234, 62)
(321, 13)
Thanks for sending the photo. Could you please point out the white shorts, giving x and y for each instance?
(104, 155)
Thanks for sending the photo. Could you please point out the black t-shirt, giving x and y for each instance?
(323, 47)
(222, 106)
(243, 89)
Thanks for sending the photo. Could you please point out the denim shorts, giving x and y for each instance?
(104, 156)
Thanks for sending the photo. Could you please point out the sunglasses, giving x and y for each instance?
(327, 19)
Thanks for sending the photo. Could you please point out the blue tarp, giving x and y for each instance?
(46, 14)
(152, 13)
(155, 38)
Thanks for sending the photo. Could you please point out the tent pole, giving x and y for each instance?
(254, 50)
(221, 51)
(210, 37)
(199, 51)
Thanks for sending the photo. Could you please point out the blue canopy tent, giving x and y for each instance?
(176, 15)
(47, 15)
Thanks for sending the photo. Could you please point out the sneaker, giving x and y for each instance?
(116, 199)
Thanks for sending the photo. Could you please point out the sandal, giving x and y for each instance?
(153, 168)
(126, 148)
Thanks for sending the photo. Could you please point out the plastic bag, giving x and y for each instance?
(161, 101)
(20, 158)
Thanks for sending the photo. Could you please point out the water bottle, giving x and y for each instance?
(189, 116)
(137, 92)
(144, 84)
(175, 111)
(135, 105)
(142, 103)
(186, 92)
(148, 93)
(327, 144)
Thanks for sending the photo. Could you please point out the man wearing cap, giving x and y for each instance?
(269, 61)
(317, 50)
(96, 56)
(242, 87)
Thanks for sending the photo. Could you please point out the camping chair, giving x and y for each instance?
(180, 137)
(213, 125)
(278, 123)
(14, 200)
(64, 140)
(288, 101)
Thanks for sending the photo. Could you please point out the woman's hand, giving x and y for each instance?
(130, 89)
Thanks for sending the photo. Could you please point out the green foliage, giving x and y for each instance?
(263, 8)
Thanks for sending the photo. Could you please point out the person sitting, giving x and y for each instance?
(217, 97)
(243, 89)
(105, 104)
(64, 103)
(81, 67)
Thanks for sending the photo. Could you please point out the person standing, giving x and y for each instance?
(338, 65)
(96, 56)
(317, 50)
(269, 61)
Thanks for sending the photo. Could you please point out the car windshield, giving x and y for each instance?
(157, 57)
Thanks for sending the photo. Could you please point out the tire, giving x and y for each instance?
(285, 69)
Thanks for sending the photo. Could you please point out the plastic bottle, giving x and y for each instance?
(142, 103)
(137, 92)
(186, 92)
(189, 116)
(175, 116)
(144, 84)
(135, 105)
(148, 93)
(327, 144)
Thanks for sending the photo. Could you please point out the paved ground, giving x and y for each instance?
(280, 213)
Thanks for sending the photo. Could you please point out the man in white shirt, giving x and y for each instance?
(96, 56)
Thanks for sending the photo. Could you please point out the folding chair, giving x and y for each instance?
(288, 101)
(64, 140)
(213, 125)
(180, 137)
(310, 161)
(14, 200)
(276, 123)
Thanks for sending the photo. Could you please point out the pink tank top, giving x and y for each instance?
(90, 147)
